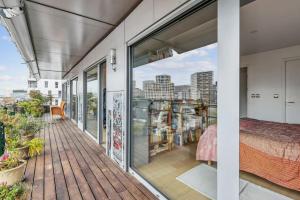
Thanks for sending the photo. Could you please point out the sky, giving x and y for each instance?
(179, 66)
(13, 74)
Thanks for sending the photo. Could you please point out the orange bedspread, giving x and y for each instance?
(278, 170)
(270, 150)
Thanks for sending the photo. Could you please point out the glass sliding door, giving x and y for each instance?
(74, 100)
(174, 107)
(91, 115)
(103, 104)
(65, 95)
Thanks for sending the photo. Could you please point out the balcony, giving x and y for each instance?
(72, 166)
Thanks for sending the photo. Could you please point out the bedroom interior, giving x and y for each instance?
(174, 134)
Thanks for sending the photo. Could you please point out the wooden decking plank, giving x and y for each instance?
(83, 185)
(49, 174)
(60, 182)
(107, 187)
(119, 187)
(30, 171)
(133, 189)
(38, 182)
(92, 181)
(73, 166)
(29, 174)
(72, 186)
(125, 195)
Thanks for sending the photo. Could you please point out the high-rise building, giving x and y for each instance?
(182, 92)
(162, 88)
(201, 85)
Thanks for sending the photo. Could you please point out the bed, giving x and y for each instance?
(267, 149)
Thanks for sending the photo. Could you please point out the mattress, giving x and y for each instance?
(268, 149)
(276, 139)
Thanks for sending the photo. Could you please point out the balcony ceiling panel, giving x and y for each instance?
(64, 31)
(110, 11)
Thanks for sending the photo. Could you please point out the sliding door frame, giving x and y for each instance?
(228, 99)
(71, 99)
(100, 133)
(228, 95)
(95, 66)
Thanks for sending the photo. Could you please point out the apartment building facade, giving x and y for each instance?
(47, 87)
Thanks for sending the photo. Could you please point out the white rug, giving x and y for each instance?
(203, 179)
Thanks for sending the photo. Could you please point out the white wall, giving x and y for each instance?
(51, 86)
(147, 13)
(266, 76)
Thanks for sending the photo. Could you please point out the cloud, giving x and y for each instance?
(5, 78)
(2, 68)
(211, 46)
(5, 38)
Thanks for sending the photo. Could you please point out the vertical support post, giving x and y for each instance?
(228, 99)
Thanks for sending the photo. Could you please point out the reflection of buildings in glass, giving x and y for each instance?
(202, 86)
(182, 92)
(162, 88)
(137, 92)
(213, 93)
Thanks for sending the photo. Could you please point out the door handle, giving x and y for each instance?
(291, 102)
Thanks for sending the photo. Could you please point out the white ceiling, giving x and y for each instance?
(64, 31)
(265, 25)
(269, 24)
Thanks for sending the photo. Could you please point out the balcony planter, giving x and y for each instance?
(13, 175)
(22, 152)
(27, 137)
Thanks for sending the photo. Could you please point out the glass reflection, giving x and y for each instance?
(74, 99)
(92, 102)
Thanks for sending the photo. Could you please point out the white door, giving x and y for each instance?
(293, 92)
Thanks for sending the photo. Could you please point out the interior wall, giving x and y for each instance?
(243, 92)
(266, 78)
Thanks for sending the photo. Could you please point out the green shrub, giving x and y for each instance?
(29, 125)
(15, 192)
(35, 146)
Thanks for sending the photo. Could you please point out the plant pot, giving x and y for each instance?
(26, 138)
(14, 175)
(23, 152)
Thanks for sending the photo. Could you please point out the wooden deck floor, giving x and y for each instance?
(72, 166)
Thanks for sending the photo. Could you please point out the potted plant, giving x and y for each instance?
(12, 169)
(35, 146)
(15, 145)
(28, 127)
(15, 192)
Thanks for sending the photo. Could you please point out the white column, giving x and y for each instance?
(228, 99)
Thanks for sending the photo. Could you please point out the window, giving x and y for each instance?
(32, 84)
(174, 102)
(59, 94)
(46, 84)
(56, 84)
(49, 92)
(91, 123)
(74, 100)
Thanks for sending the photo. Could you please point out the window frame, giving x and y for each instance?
(228, 54)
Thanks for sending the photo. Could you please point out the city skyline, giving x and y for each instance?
(201, 87)
(180, 66)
